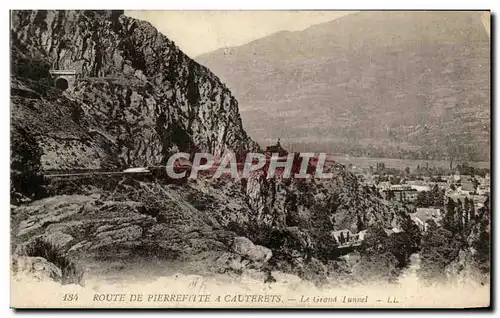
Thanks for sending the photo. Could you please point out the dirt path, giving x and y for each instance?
(409, 276)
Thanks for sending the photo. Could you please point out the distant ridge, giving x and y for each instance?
(385, 83)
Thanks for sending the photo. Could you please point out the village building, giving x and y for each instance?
(419, 185)
(422, 226)
(277, 148)
(466, 188)
(422, 215)
(483, 190)
(345, 238)
(392, 231)
(399, 192)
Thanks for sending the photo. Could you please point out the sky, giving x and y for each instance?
(198, 32)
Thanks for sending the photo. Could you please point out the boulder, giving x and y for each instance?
(246, 248)
(38, 268)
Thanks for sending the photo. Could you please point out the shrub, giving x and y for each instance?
(32, 67)
(439, 249)
(378, 261)
(71, 272)
(26, 174)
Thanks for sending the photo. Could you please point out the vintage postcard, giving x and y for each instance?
(250, 159)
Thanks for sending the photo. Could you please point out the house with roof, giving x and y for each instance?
(422, 215)
(419, 185)
(483, 190)
(277, 148)
(466, 188)
(422, 226)
(345, 238)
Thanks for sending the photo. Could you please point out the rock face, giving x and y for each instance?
(82, 225)
(295, 218)
(137, 97)
(125, 224)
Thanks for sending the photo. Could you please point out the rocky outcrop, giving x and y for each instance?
(244, 247)
(130, 222)
(137, 97)
(38, 268)
(83, 225)
(50, 210)
(294, 218)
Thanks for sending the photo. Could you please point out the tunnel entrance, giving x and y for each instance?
(63, 79)
(62, 84)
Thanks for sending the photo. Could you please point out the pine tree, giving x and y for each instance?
(466, 213)
(482, 243)
(436, 197)
(449, 218)
(473, 212)
(459, 216)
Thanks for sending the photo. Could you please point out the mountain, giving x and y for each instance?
(137, 97)
(382, 83)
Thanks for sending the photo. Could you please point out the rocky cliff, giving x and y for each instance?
(295, 218)
(136, 99)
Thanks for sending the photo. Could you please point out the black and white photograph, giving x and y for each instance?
(250, 159)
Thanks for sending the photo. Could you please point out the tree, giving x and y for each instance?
(437, 196)
(377, 262)
(475, 183)
(459, 216)
(472, 210)
(401, 246)
(396, 180)
(439, 249)
(413, 232)
(26, 179)
(482, 241)
(423, 199)
(467, 212)
(449, 218)
(434, 198)
(390, 195)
